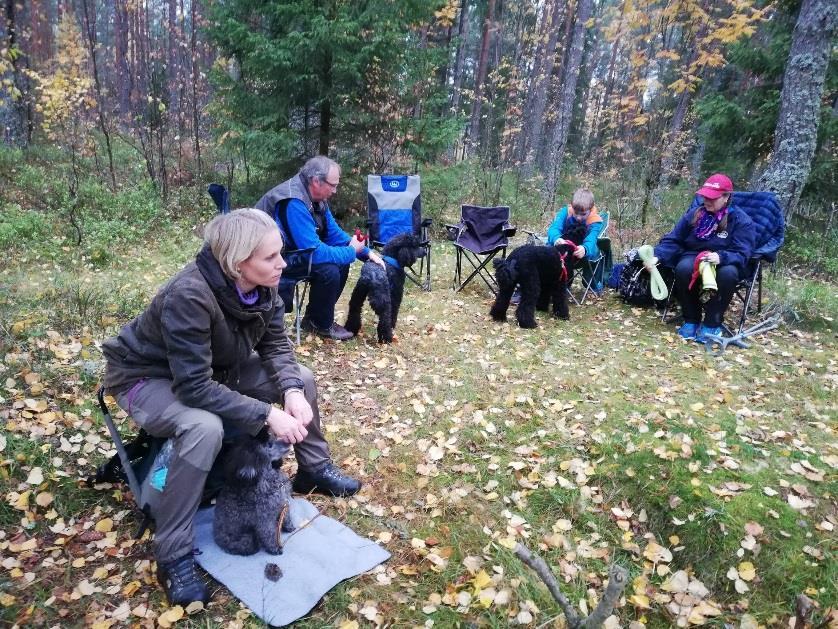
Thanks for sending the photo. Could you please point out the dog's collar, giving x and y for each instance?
(392, 262)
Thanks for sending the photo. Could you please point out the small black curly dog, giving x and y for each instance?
(543, 274)
(255, 499)
(384, 288)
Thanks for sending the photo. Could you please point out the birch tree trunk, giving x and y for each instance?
(796, 134)
(558, 142)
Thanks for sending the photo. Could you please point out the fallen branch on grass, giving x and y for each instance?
(617, 580)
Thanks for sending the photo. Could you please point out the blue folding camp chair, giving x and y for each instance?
(294, 283)
(394, 206)
(770, 226)
(481, 235)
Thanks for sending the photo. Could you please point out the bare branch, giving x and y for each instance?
(546, 575)
(617, 580)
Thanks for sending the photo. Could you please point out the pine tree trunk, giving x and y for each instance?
(89, 22)
(480, 79)
(193, 49)
(13, 106)
(172, 65)
(537, 94)
(795, 137)
(462, 40)
(571, 75)
(123, 76)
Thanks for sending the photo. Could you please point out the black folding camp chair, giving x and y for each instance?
(482, 234)
(130, 465)
(769, 224)
(394, 206)
(295, 281)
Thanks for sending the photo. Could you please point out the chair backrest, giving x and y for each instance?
(604, 216)
(482, 229)
(767, 215)
(221, 196)
(394, 206)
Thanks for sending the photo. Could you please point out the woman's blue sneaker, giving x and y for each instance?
(688, 331)
(703, 331)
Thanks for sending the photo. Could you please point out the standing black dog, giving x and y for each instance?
(543, 274)
(384, 288)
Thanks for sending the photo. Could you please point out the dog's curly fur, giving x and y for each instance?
(538, 271)
(255, 494)
(384, 288)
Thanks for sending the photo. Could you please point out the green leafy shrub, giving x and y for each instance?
(19, 227)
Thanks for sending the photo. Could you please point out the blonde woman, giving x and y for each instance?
(209, 355)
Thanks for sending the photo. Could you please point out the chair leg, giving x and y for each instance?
(668, 303)
(480, 270)
(300, 293)
(588, 285)
(756, 278)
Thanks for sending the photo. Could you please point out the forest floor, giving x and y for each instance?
(603, 439)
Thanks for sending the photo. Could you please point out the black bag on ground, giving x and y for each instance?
(634, 285)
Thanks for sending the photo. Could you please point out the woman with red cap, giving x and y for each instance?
(715, 232)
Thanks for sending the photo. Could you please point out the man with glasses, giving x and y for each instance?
(300, 207)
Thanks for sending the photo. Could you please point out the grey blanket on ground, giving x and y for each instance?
(315, 559)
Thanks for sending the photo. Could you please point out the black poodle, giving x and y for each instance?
(384, 288)
(543, 274)
(255, 500)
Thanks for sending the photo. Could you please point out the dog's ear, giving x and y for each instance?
(406, 255)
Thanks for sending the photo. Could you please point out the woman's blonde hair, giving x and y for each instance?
(233, 237)
(583, 199)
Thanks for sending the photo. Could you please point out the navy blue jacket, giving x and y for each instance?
(734, 244)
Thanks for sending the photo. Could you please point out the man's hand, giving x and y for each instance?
(356, 244)
(374, 257)
(286, 427)
(712, 258)
(650, 265)
(579, 252)
(298, 407)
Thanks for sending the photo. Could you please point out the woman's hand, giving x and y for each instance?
(298, 407)
(579, 252)
(559, 242)
(712, 258)
(286, 427)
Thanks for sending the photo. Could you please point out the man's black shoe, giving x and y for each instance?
(181, 582)
(327, 480)
(336, 332)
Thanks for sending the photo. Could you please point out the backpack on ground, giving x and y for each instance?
(634, 285)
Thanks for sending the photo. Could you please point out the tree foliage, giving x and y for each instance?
(329, 77)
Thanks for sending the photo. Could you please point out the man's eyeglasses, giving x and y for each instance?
(333, 186)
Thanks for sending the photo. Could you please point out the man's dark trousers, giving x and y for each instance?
(327, 282)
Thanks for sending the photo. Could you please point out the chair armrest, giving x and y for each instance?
(427, 222)
(452, 230)
(509, 230)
